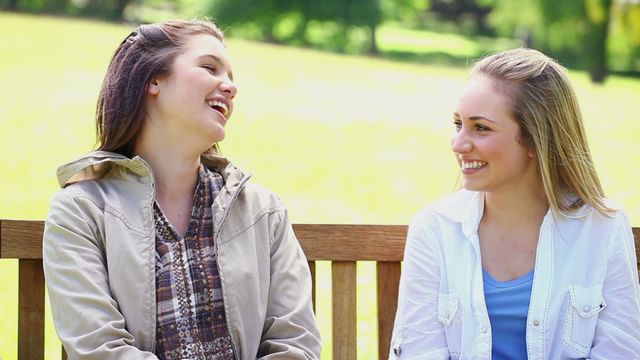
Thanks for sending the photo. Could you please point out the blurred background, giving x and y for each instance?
(344, 106)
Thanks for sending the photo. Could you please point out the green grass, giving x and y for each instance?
(341, 139)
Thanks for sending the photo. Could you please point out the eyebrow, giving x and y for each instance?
(219, 61)
(475, 117)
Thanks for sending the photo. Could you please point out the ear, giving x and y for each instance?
(531, 153)
(154, 87)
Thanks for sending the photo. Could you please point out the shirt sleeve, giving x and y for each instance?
(290, 329)
(618, 329)
(86, 317)
(417, 333)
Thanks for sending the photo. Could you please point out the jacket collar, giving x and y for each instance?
(466, 207)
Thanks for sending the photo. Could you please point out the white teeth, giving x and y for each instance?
(473, 164)
(219, 105)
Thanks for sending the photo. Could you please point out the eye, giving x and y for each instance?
(210, 68)
(482, 128)
(458, 124)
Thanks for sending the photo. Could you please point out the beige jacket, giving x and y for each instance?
(99, 264)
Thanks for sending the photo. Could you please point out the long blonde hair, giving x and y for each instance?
(546, 109)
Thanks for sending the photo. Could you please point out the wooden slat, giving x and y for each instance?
(352, 242)
(343, 278)
(30, 310)
(312, 269)
(21, 239)
(388, 282)
(636, 237)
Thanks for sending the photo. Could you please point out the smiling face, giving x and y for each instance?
(487, 142)
(195, 101)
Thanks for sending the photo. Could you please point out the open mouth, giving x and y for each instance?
(218, 106)
(467, 165)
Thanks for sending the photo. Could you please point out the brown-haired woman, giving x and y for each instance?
(157, 247)
(529, 260)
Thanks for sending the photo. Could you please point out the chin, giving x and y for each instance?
(217, 135)
(472, 187)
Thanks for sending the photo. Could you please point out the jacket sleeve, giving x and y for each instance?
(417, 333)
(86, 317)
(618, 328)
(290, 329)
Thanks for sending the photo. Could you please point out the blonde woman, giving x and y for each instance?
(528, 260)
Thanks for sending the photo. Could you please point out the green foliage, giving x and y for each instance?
(407, 11)
(585, 34)
(107, 9)
(288, 21)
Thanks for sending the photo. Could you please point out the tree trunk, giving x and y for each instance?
(596, 44)
(121, 5)
(373, 45)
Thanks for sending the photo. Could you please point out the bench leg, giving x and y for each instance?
(30, 309)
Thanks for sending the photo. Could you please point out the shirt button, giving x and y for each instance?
(484, 329)
(397, 351)
(586, 308)
(536, 322)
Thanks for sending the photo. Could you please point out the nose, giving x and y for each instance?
(229, 88)
(460, 144)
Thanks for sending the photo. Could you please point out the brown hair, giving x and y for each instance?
(546, 109)
(147, 52)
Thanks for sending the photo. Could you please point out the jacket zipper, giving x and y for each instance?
(216, 233)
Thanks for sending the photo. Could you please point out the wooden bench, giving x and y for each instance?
(343, 245)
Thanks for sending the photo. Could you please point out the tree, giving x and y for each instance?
(367, 13)
(595, 39)
(265, 14)
(575, 31)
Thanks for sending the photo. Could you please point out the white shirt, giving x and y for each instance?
(585, 299)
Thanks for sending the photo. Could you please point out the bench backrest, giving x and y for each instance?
(343, 245)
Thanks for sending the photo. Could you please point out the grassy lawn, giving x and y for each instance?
(341, 139)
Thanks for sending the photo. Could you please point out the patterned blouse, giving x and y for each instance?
(191, 321)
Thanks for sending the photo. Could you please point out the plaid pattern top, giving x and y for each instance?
(191, 321)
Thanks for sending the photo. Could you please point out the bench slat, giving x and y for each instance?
(21, 239)
(312, 269)
(344, 242)
(30, 309)
(636, 237)
(388, 282)
(343, 280)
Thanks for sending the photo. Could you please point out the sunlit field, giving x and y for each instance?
(342, 139)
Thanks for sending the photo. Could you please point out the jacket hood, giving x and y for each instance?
(97, 164)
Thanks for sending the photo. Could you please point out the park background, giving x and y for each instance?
(344, 106)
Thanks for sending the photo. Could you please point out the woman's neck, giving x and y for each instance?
(522, 207)
(175, 169)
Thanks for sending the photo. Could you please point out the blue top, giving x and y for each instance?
(508, 305)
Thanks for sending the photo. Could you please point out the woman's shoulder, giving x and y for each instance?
(261, 198)
(237, 180)
(589, 214)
